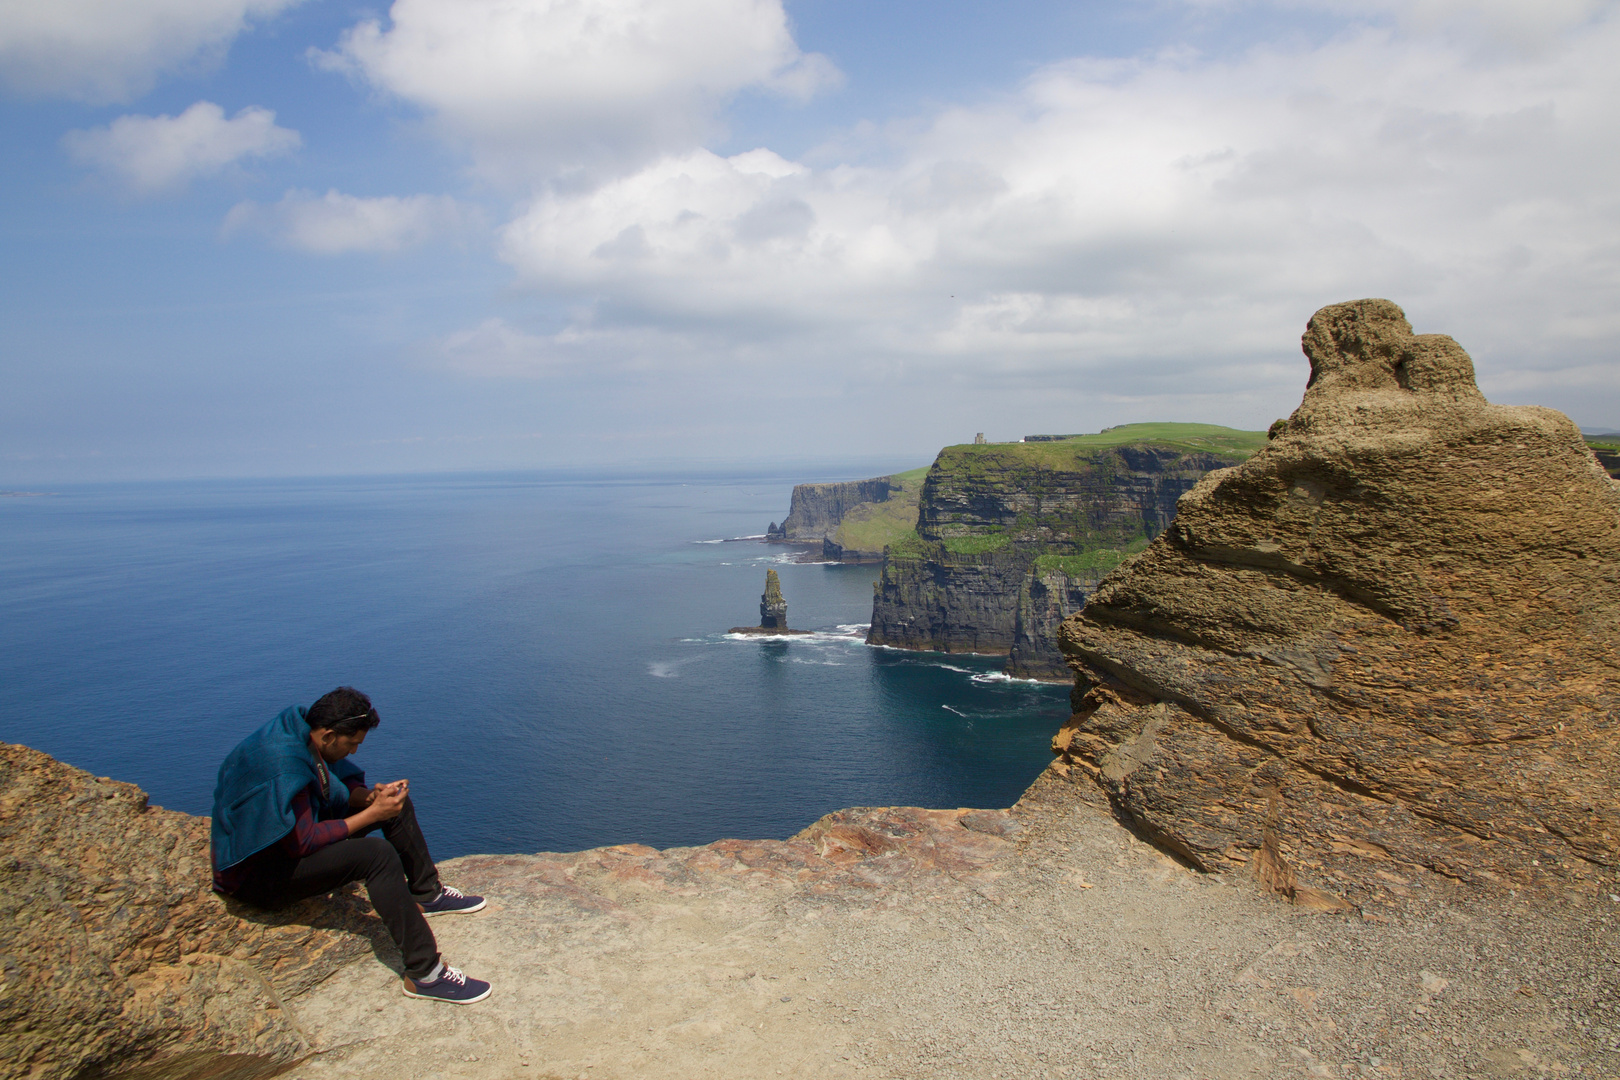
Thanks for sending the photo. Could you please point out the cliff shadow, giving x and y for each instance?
(346, 910)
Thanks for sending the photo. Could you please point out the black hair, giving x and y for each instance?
(345, 711)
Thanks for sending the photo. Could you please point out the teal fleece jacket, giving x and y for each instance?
(257, 782)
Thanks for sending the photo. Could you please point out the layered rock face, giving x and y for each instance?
(1006, 531)
(817, 509)
(1387, 642)
(1045, 599)
(118, 955)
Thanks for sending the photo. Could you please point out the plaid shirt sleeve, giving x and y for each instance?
(308, 835)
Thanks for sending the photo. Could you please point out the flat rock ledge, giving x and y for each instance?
(1044, 940)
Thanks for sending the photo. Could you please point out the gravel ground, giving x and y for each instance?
(1098, 956)
(1083, 953)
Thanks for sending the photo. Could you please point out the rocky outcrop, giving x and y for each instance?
(817, 509)
(772, 607)
(117, 954)
(964, 579)
(772, 610)
(1385, 645)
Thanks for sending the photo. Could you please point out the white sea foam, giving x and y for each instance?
(1000, 676)
(958, 712)
(663, 669)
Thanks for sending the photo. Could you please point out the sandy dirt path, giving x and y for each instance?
(1047, 941)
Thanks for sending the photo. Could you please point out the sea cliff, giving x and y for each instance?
(1011, 537)
(852, 521)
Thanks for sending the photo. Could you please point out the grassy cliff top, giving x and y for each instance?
(1188, 438)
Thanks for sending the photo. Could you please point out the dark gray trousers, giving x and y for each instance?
(397, 870)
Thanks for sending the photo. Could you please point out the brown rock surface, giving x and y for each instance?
(1041, 942)
(118, 955)
(882, 942)
(1384, 646)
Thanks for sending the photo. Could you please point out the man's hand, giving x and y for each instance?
(380, 803)
(360, 798)
(387, 800)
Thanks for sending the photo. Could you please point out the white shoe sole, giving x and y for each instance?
(457, 911)
(448, 1001)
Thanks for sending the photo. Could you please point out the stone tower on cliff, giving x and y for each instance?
(772, 608)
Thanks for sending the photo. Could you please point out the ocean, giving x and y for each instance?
(547, 653)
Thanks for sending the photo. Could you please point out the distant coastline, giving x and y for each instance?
(23, 494)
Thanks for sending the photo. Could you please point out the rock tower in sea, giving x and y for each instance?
(772, 611)
(772, 607)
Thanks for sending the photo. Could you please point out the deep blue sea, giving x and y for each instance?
(548, 654)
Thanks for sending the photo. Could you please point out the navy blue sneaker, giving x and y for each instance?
(451, 985)
(452, 901)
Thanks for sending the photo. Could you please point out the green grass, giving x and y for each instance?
(1096, 562)
(1184, 437)
(872, 526)
(908, 545)
(976, 544)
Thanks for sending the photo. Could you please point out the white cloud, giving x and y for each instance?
(542, 86)
(337, 224)
(155, 153)
(1170, 217)
(1510, 22)
(113, 50)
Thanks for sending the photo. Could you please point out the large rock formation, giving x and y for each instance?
(1388, 641)
(1011, 537)
(117, 954)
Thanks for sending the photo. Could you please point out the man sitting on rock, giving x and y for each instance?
(290, 821)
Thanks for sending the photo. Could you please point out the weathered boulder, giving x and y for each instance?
(117, 955)
(1387, 640)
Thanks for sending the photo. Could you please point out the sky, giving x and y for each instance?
(312, 237)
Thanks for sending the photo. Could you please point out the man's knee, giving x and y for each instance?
(375, 855)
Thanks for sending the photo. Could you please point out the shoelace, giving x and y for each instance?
(454, 975)
(452, 892)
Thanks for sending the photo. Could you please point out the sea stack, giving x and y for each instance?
(772, 610)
